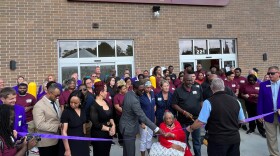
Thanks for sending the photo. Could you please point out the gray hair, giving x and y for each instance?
(273, 67)
(167, 113)
(217, 84)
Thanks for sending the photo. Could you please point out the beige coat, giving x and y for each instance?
(46, 121)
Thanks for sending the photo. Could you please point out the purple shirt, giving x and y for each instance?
(20, 119)
(15, 88)
(40, 95)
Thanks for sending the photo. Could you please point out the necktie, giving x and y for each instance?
(53, 103)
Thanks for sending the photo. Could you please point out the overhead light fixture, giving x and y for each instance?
(156, 10)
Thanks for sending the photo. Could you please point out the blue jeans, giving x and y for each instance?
(196, 139)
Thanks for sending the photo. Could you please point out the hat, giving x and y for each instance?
(255, 69)
(148, 84)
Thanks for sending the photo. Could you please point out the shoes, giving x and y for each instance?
(121, 145)
(244, 127)
(113, 143)
(35, 151)
(263, 135)
(250, 131)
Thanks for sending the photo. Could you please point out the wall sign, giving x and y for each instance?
(175, 2)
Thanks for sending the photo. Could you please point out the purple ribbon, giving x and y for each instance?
(52, 136)
(258, 117)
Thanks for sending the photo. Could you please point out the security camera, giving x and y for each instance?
(156, 10)
(156, 14)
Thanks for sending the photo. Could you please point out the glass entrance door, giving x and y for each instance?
(207, 63)
(88, 69)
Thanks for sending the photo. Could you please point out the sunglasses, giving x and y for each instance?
(271, 73)
(55, 95)
(84, 89)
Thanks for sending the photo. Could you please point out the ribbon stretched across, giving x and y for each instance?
(258, 117)
(52, 136)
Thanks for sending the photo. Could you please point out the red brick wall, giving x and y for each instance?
(29, 30)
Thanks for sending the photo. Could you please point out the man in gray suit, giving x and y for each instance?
(131, 115)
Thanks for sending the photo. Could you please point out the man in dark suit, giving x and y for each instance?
(268, 101)
(131, 115)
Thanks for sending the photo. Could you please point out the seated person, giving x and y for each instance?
(173, 142)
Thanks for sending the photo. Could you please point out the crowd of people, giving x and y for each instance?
(172, 106)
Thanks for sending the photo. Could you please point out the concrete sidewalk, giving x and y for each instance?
(251, 145)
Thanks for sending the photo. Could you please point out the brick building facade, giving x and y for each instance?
(30, 31)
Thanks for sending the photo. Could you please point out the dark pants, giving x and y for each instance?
(49, 151)
(128, 145)
(196, 139)
(252, 111)
(101, 148)
(120, 137)
(215, 149)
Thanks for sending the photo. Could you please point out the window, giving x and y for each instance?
(87, 49)
(218, 52)
(83, 56)
(207, 46)
(68, 71)
(86, 70)
(68, 49)
(95, 48)
(228, 46)
(122, 67)
(214, 47)
(185, 47)
(200, 47)
(124, 48)
(106, 48)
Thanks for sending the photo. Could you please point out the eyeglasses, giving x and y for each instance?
(55, 95)
(93, 76)
(83, 89)
(271, 73)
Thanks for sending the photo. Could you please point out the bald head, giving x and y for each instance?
(188, 81)
(217, 84)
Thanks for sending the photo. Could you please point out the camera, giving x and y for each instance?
(30, 136)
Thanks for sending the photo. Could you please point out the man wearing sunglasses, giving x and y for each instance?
(46, 116)
(268, 101)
